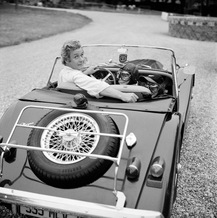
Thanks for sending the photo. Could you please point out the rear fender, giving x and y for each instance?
(167, 148)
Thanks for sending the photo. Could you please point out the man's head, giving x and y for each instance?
(128, 74)
(72, 54)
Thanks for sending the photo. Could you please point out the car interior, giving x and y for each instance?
(151, 75)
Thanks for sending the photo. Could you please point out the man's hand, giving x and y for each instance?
(129, 97)
(90, 70)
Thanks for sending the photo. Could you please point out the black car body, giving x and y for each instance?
(114, 159)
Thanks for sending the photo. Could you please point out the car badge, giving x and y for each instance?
(123, 58)
(122, 54)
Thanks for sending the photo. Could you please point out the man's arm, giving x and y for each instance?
(113, 93)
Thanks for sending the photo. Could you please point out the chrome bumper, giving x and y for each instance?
(72, 207)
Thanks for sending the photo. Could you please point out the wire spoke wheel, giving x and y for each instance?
(68, 135)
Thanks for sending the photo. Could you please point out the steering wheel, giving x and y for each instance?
(105, 75)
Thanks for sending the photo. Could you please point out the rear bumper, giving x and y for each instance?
(72, 207)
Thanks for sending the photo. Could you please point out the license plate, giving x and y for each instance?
(38, 212)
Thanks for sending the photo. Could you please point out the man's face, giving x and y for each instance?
(76, 59)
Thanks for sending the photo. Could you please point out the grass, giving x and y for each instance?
(27, 24)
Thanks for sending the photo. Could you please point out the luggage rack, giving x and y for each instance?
(5, 147)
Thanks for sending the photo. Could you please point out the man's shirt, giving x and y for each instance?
(73, 79)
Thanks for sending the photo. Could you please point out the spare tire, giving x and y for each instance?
(67, 170)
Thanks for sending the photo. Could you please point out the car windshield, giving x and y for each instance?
(153, 57)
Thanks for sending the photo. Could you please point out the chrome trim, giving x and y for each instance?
(175, 84)
(130, 45)
(52, 71)
(72, 207)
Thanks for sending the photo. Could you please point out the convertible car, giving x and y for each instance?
(66, 154)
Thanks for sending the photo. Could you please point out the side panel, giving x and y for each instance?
(159, 199)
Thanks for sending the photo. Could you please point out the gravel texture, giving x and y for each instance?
(26, 66)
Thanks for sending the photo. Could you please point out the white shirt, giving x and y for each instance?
(73, 79)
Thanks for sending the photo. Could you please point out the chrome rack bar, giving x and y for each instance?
(119, 195)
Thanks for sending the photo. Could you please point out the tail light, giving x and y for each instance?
(133, 170)
(157, 167)
(155, 178)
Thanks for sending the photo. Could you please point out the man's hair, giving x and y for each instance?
(67, 48)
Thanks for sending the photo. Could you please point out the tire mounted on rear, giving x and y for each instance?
(64, 132)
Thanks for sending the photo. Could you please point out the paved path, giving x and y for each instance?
(26, 66)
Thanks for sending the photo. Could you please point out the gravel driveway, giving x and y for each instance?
(25, 66)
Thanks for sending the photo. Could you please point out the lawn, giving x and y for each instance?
(27, 24)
